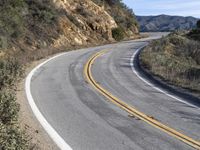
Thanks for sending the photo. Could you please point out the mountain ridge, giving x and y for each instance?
(166, 23)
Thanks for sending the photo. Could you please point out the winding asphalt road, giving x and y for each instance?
(87, 120)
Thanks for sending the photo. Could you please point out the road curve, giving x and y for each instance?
(86, 120)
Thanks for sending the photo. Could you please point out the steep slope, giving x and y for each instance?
(35, 24)
(31, 25)
(165, 23)
(85, 22)
(124, 16)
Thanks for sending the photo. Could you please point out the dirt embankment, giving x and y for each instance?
(174, 59)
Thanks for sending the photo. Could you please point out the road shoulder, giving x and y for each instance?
(28, 122)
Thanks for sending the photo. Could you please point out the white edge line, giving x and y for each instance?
(150, 84)
(49, 129)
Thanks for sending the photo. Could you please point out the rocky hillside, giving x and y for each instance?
(124, 16)
(165, 23)
(30, 25)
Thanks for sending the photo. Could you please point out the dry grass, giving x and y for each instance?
(174, 59)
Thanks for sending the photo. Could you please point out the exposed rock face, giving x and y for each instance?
(40, 25)
(84, 22)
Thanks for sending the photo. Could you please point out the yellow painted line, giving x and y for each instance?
(130, 109)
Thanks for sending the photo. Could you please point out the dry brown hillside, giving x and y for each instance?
(85, 22)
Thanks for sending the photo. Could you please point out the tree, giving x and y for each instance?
(198, 24)
(118, 33)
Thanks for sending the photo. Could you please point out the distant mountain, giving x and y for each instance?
(165, 23)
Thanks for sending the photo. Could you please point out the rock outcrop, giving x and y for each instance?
(35, 26)
(84, 22)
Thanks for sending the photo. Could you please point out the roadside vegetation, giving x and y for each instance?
(11, 136)
(14, 27)
(175, 59)
(195, 33)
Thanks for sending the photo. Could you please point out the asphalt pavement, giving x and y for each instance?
(86, 120)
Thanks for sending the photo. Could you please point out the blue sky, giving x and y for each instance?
(170, 7)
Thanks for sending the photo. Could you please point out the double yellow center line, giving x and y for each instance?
(131, 110)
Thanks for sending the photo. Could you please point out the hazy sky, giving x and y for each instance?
(170, 7)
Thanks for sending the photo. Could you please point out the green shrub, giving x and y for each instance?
(3, 42)
(198, 24)
(194, 34)
(118, 34)
(10, 70)
(11, 18)
(11, 137)
(8, 108)
(41, 11)
(47, 16)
